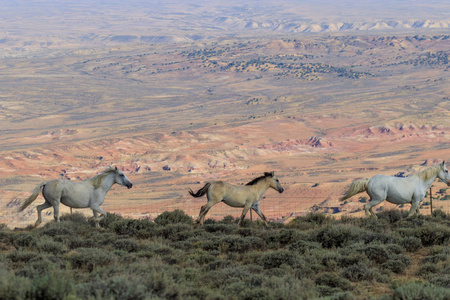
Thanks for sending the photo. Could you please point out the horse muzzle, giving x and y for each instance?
(129, 185)
(280, 190)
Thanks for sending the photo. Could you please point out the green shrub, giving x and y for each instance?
(302, 246)
(50, 246)
(427, 269)
(23, 240)
(277, 258)
(337, 235)
(358, 272)
(411, 243)
(21, 256)
(311, 220)
(174, 217)
(128, 245)
(90, 258)
(440, 214)
(333, 280)
(221, 228)
(418, 291)
(397, 264)
(176, 231)
(392, 215)
(143, 228)
(280, 238)
(118, 287)
(442, 280)
(433, 234)
(14, 287)
(227, 244)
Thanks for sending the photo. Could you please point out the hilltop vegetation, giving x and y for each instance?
(312, 257)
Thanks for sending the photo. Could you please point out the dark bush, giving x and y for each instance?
(174, 217)
(427, 270)
(119, 287)
(227, 244)
(397, 264)
(47, 245)
(128, 245)
(411, 243)
(377, 253)
(392, 215)
(337, 235)
(90, 258)
(140, 228)
(21, 256)
(433, 234)
(333, 280)
(311, 220)
(280, 238)
(176, 231)
(436, 258)
(442, 280)
(221, 227)
(23, 240)
(358, 272)
(439, 214)
(277, 258)
(302, 246)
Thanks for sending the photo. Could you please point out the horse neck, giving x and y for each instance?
(104, 182)
(261, 186)
(428, 180)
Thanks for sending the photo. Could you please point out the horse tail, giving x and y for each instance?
(33, 196)
(201, 191)
(357, 186)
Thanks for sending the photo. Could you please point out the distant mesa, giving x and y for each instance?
(317, 142)
(400, 129)
(313, 142)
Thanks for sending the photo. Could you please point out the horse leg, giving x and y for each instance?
(368, 207)
(244, 212)
(56, 212)
(98, 210)
(203, 211)
(414, 208)
(260, 214)
(40, 208)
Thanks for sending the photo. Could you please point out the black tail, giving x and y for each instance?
(201, 191)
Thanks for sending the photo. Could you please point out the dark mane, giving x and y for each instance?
(254, 181)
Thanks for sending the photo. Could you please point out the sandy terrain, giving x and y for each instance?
(175, 108)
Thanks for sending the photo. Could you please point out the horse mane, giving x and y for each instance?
(98, 179)
(428, 172)
(256, 180)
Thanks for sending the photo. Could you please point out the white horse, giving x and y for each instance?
(398, 190)
(89, 193)
(246, 196)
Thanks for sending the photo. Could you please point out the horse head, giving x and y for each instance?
(443, 174)
(122, 179)
(274, 182)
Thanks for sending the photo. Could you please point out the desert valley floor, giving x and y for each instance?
(320, 110)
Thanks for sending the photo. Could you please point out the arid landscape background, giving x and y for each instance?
(180, 93)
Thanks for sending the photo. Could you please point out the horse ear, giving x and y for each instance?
(273, 173)
(115, 168)
(443, 162)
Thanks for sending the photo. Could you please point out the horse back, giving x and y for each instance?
(72, 194)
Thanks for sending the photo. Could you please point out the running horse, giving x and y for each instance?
(246, 196)
(88, 193)
(398, 190)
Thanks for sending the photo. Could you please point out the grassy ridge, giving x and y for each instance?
(312, 257)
